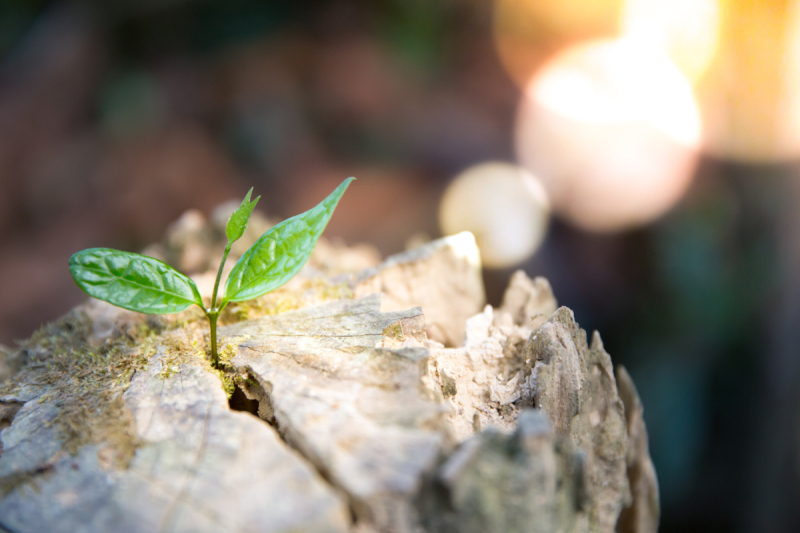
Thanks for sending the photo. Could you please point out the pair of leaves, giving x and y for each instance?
(147, 285)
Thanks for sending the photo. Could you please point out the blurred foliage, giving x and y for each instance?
(16, 16)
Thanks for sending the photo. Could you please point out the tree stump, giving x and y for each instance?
(384, 400)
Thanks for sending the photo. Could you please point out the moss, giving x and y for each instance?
(85, 382)
(329, 291)
(270, 304)
(228, 382)
(226, 371)
(18, 479)
(448, 385)
(282, 300)
(394, 331)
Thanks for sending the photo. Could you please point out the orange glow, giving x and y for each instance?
(503, 205)
(612, 129)
(750, 96)
(526, 32)
(687, 30)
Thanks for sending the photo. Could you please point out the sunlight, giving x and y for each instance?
(503, 205)
(750, 96)
(612, 129)
(687, 30)
(526, 32)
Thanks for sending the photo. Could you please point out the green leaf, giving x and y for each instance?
(132, 281)
(281, 252)
(236, 225)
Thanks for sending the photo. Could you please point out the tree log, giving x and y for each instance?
(381, 401)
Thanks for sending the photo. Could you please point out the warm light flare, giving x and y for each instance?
(619, 81)
(526, 32)
(687, 30)
(503, 205)
(612, 129)
(750, 96)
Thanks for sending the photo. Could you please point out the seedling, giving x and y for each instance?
(147, 285)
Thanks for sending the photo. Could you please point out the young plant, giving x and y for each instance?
(147, 285)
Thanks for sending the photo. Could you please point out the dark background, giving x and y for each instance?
(116, 117)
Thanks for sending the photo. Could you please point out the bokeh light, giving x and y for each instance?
(687, 30)
(612, 129)
(750, 96)
(503, 205)
(526, 32)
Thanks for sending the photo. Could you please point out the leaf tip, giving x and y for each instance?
(247, 197)
(237, 222)
(344, 185)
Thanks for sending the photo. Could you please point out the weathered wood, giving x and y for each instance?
(642, 515)
(367, 424)
(528, 302)
(354, 408)
(574, 384)
(442, 277)
(529, 480)
(199, 467)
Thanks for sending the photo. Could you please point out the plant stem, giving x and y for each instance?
(212, 321)
(219, 276)
(213, 313)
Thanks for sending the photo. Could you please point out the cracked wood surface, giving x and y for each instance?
(199, 468)
(443, 277)
(574, 384)
(354, 408)
(379, 427)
